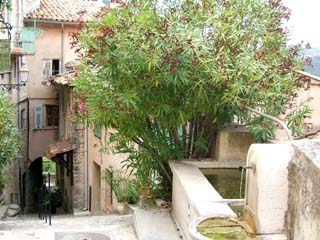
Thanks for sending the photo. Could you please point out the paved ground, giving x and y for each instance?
(67, 227)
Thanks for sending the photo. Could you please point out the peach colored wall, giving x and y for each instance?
(312, 122)
(40, 138)
(106, 160)
(47, 46)
(314, 104)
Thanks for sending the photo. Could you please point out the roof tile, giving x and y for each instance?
(65, 10)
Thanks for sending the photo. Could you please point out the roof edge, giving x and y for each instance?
(314, 77)
(31, 7)
(31, 20)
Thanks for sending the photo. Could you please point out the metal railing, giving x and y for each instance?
(44, 202)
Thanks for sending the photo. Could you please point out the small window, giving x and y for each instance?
(97, 132)
(55, 67)
(52, 115)
(51, 67)
(38, 116)
(22, 118)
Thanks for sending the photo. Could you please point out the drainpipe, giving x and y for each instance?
(86, 169)
(18, 63)
(62, 48)
(28, 127)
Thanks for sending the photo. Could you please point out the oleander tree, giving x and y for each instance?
(8, 135)
(167, 75)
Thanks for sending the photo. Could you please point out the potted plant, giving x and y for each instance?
(124, 188)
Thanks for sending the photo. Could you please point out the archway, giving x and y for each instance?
(33, 180)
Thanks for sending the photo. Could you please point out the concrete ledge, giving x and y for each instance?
(193, 196)
(154, 224)
(213, 163)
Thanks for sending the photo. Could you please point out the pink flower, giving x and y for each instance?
(82, 106)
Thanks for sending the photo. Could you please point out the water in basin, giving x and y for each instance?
(226, 182)
(222, 229)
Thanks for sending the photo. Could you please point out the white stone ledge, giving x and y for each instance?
(193, 196)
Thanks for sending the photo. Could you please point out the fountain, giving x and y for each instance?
(265, 202)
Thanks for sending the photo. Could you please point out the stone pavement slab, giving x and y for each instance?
(155, 224)
(3, 210)
(111, 227)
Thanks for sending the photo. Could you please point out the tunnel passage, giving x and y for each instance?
(33, 180)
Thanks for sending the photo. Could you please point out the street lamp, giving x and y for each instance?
(24, 74)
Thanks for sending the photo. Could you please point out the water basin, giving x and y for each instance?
(219, 228)
(226, 181)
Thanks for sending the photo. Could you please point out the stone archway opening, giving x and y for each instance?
(32, 182)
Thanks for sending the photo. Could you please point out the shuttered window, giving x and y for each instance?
(51, 67)
(28, 39)
(47, 69)
(38, 121)
(106, 2)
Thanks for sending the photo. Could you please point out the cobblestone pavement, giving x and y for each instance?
(67, 227)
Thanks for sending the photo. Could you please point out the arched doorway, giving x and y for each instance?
(33, 180)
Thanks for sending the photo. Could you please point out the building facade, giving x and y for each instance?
(49, 127)
(46, 31)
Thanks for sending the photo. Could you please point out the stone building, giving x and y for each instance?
(86, 188)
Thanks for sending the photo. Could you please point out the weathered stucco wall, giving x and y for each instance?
(304, 192)
(232, 146)
(267, 187)
(99, 162)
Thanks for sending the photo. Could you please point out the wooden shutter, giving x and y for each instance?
(106, 2)
(47, 69)
(38, 121)
(28, 40)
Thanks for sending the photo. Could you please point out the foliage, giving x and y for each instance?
(8, 134)
(263, 129)
(125, 189)
(5, 4)
(48, 165)
(168, 75)
(296, 119)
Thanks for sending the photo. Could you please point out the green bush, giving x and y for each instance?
(125, 189)
(8, 135)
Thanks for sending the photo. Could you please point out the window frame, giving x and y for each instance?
(49, 62)
(45, 113)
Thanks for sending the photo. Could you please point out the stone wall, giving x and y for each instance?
(304, 192)
(78, 192)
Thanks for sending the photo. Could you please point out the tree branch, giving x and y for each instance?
(283, 125)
